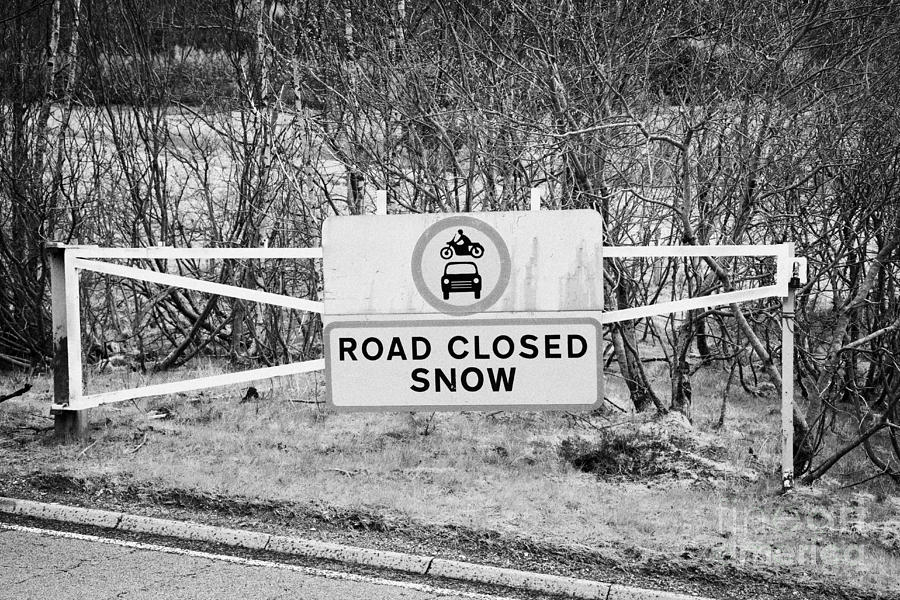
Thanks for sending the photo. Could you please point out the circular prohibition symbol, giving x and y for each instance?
(461, 265)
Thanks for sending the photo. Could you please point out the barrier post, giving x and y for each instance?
(69, 422)
(787, 374)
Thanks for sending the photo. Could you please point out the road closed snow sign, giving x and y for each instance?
(463, 312)
(480, 363)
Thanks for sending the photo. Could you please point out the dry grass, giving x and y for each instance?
(501, 472)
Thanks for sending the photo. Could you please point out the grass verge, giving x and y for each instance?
(610, 496)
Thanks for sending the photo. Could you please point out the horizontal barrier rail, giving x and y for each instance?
(682, 251)
(168, 252)
(781, 252)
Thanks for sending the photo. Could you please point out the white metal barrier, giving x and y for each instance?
(790, 273)
(66, 261)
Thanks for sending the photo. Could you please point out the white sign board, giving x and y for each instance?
(463, 264)
(534, 364)
(464, 311)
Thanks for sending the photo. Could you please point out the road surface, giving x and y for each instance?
(49, 565)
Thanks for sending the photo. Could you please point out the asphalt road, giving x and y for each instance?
(48, 565)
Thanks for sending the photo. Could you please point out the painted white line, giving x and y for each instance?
(309, 571)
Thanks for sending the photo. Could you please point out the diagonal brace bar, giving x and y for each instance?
(663, 308)
(221, 289)
(176, 387)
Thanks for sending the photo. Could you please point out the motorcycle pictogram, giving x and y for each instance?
(461, 245)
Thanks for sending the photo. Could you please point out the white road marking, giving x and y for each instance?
(309, 571)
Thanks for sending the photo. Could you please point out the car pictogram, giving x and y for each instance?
(460, 277)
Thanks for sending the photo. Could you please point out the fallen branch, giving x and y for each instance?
(139, 446)
(343, 472)
(16, 393)
(867, 479)
(614, 404)
(83, 452)
(36, 429)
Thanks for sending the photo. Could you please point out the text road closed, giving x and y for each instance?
(545, 363)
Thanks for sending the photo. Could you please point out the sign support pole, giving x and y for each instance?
(787, 376)
(535, 199)
(381, 202)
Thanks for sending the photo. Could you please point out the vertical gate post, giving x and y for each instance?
(787, 375)
(70, 423)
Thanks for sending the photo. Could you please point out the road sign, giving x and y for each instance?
(463, 264)
(484, 364)
(464, 311)
(464, 275)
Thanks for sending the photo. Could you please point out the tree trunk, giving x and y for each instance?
(681, 371)
(627, 352)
